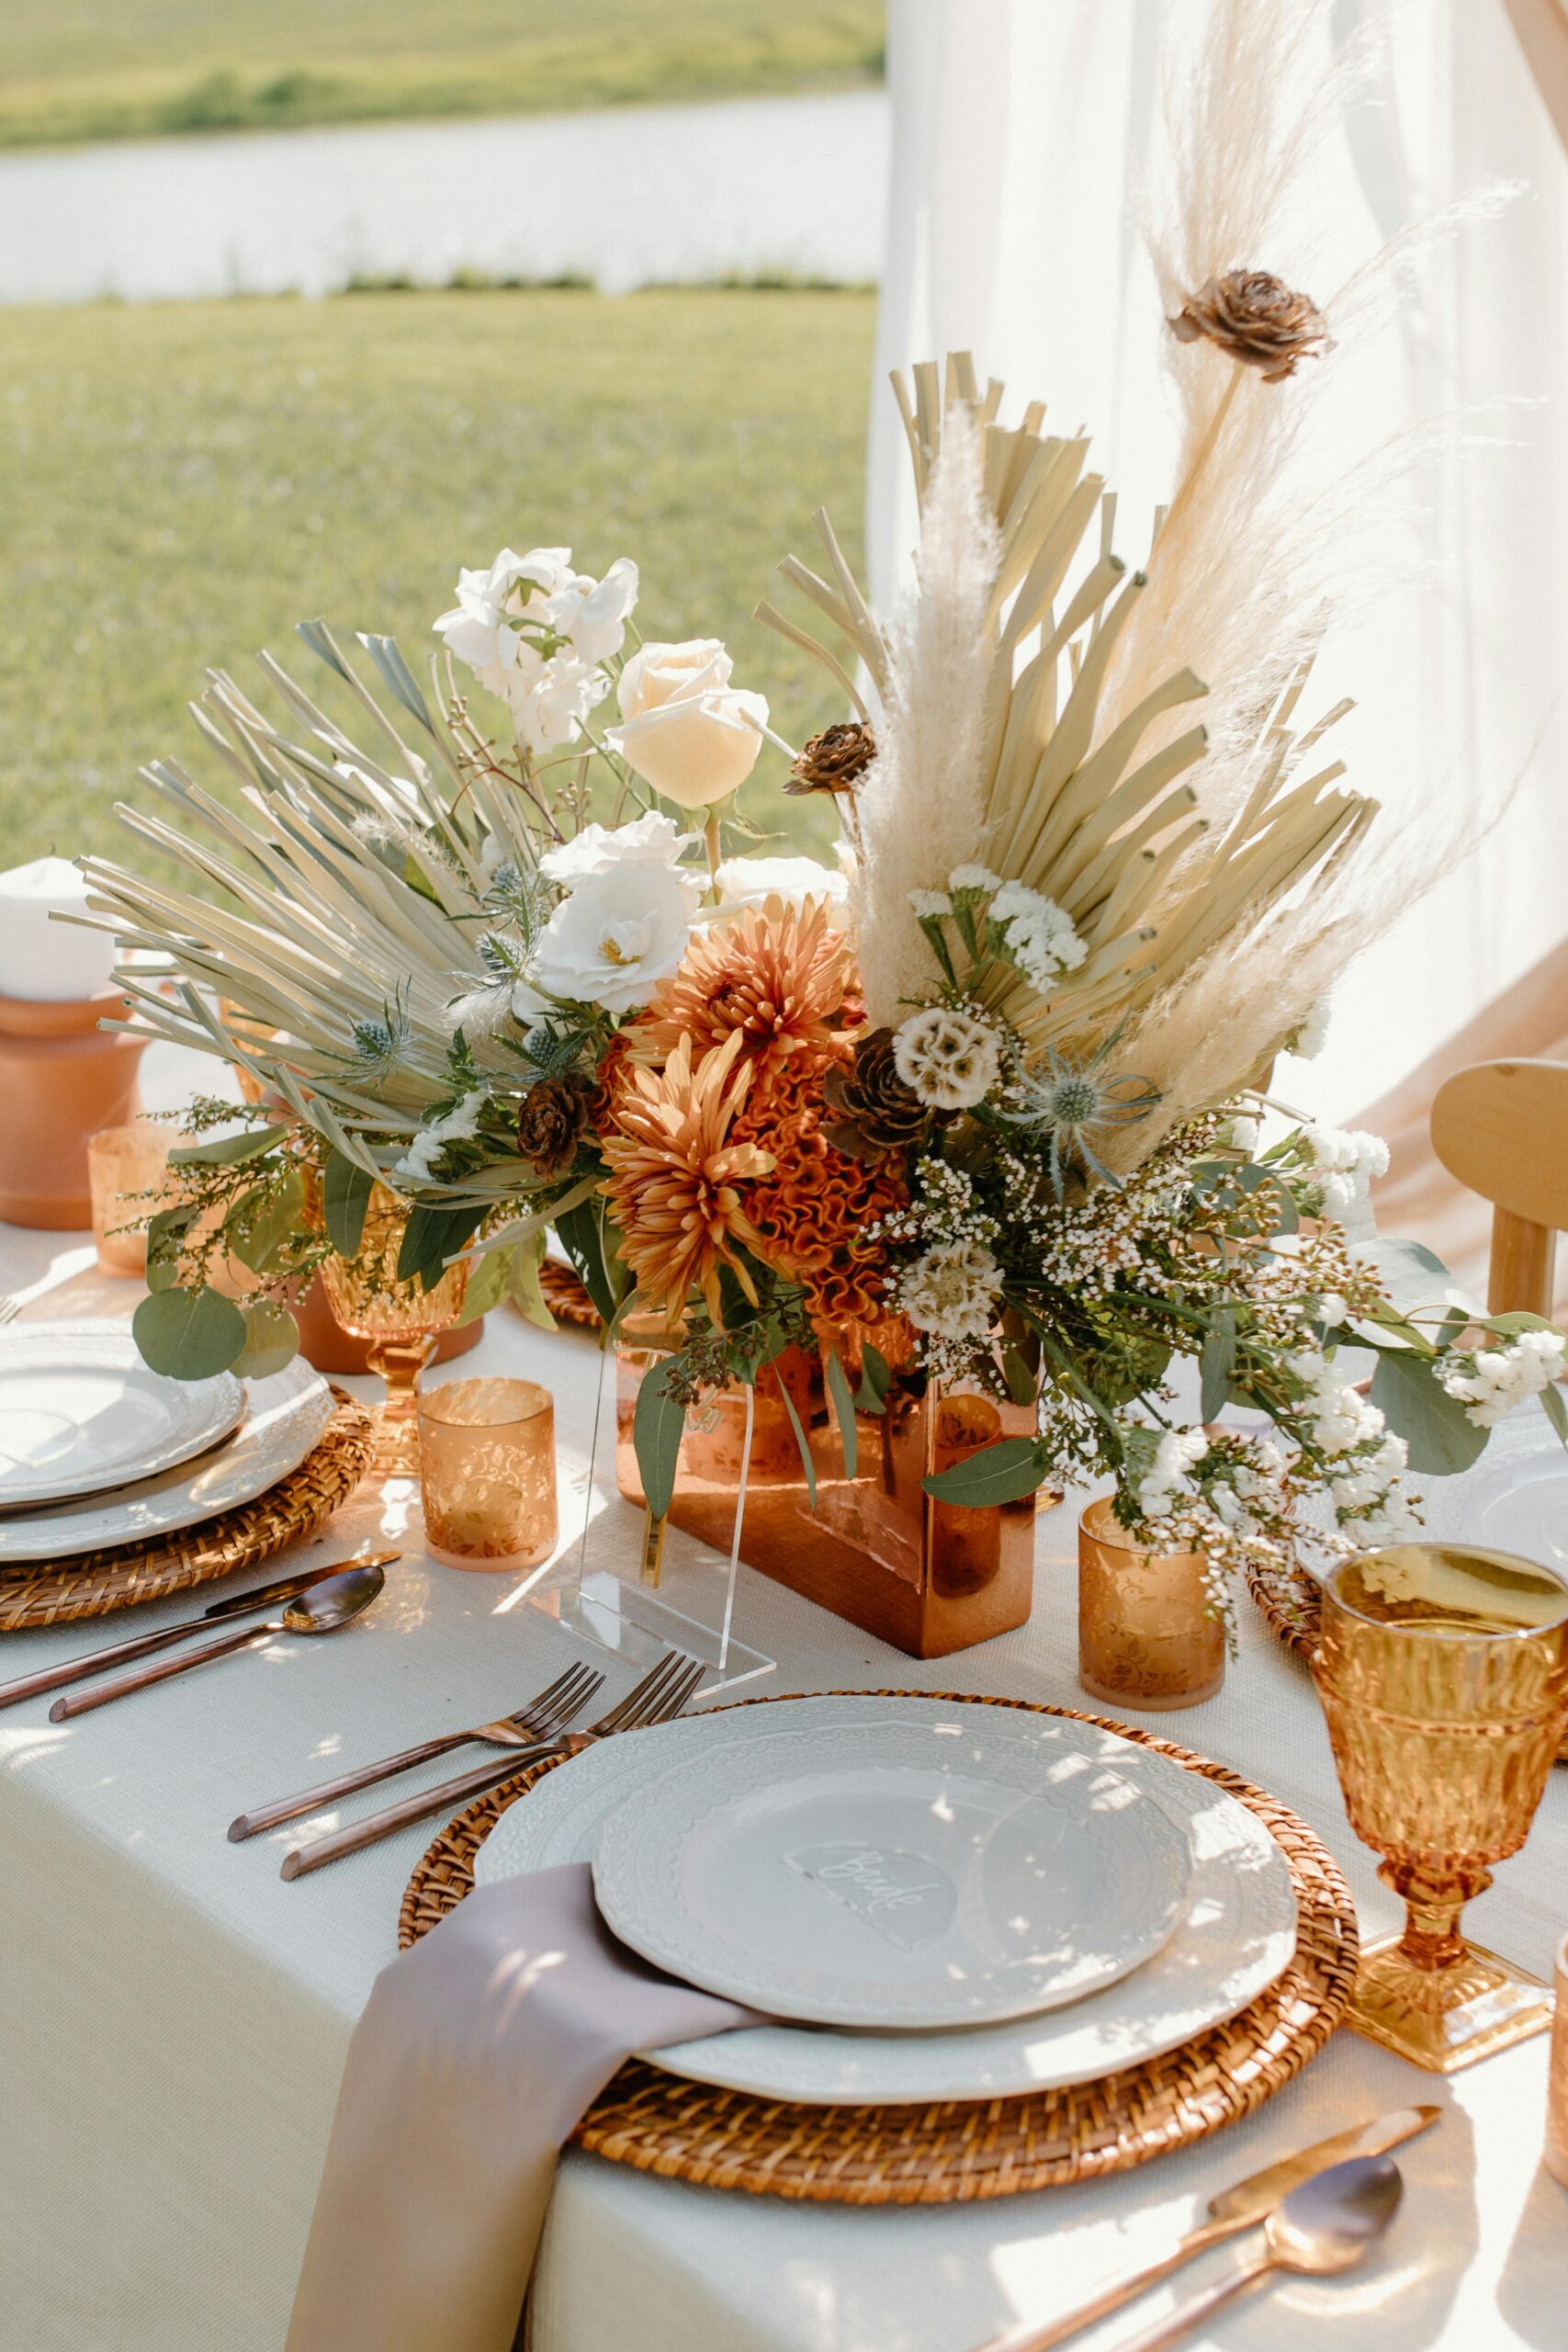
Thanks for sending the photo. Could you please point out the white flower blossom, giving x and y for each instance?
(931, 904)
(749, 881)
(974, 877)
(533, 631)
(1037, 933)
(1245, 1133)
(421, 1161)
(1500, 1378)
(1343, 1162)
(1313, 1034)
(951, 1291)
(947, 1058)
(653, 840)
(616, 935)
(1175, 1455)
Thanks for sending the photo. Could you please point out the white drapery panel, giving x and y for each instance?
(1021, 134)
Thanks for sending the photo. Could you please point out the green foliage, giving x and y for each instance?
(189, 1335)
(73, 69)
(843, 1411)
(431, 1236)
(657, 1424)
(591, 1242)
(345, 1196)
(227, 1152)
(241, 449)
(1002, 1473)
(1435, 1427)
(272, 1339)
(875, 1380)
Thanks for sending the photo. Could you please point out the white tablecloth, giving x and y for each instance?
(173, 2016)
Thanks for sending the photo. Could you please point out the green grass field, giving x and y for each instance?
(180, 483)
(118, 69)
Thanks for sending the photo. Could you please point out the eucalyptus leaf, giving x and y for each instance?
(227, 1152)
(165, 1238)
(583, 1236)
(1413, 1276)
(843, 1409)
(875, 1380)
(489, 1283)
(1021, 1383)
(432, 1236)
(260, 1236)
(1216, 1361)
(345, 1196)
(272, 1339)
(1002, 1473)
(1515, 1321)
(657, 1425)
(806, 1464)
(1556, 1409)
(527, 1293)
(1442, 1438)
(188, 1334)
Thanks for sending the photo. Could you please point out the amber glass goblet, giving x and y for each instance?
(1444, 1676)
(400, 1320)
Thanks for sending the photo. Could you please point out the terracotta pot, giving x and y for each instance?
(61, 1078)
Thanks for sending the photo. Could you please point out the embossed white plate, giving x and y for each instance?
(1516, 1499)
(883, 1865)
(1236, 1932)
(81, 1412)
(284, 1415)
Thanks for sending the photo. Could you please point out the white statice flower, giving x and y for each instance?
(951, 1291)
(1178, 1452)
(974, 877)
(931, 905)
(1037, 933)
(616, 935)
(750, 881)
(947, 1059)
(1344, 1161)
(1313, 1034)
(1366, 1477)
(653, 840)
(421, 1161)
(1244, 1133)
(1499, 1378)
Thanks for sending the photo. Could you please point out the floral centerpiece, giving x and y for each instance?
(978, 1106)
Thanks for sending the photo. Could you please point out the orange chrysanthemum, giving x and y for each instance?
(674, 1167)
(775, 974)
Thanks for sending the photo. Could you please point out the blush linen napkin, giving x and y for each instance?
(479, 2050)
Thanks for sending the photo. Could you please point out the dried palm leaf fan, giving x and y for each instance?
(990, 688)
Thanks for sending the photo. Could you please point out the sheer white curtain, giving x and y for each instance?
(1021, 131)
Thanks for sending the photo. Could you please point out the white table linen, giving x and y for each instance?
(174, 2016)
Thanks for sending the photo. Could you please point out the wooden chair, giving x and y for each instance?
(1502, 1128)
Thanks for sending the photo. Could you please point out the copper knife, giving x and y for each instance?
(238, 1604)
(1233, 2210)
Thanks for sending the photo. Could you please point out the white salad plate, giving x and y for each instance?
(1516, 1499)
(284, 1416)
(1237, 1933)
(81, 1412)
(887, 1866)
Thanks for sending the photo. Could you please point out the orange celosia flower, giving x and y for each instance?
(775, 974)
(816, 1203)
(674, 1175)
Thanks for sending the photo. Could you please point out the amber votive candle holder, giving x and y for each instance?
(124, 1164)
(1557, 2073)
(486, 1467)
(1148, 1634)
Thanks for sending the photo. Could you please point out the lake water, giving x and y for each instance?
(627, 197)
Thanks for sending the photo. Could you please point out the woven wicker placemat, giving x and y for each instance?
(565, 1297)
(962, 2150)
(92, 1584)
(1292, 1607)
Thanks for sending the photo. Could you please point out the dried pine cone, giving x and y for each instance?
(876, 1112)
(1258, 320)
(834, 760)
(552, 1122)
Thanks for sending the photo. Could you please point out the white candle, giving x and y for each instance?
(44, 961)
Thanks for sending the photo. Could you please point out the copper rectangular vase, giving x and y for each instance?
(926, 1577)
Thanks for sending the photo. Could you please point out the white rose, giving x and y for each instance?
(748, 881)
(654, 839)
(549, 700)
(596, 623)
(686, 730)
(616, 936)
(659, 673)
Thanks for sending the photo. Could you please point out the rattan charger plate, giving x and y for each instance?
(92, 1584)
(962, 2151)
(566, 1296)
(1291, 1605)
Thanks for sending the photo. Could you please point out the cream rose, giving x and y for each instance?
(685, 729)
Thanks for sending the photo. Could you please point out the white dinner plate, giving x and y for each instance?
(1238, 1932)
(284, 1415)
(883, 1865)
(1516, 1499)
(81, 1412)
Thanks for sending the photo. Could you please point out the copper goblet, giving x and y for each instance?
(400, 1320)
(1444, 1676)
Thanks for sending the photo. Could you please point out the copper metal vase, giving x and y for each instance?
(925, 1576)
(1444, 1678)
